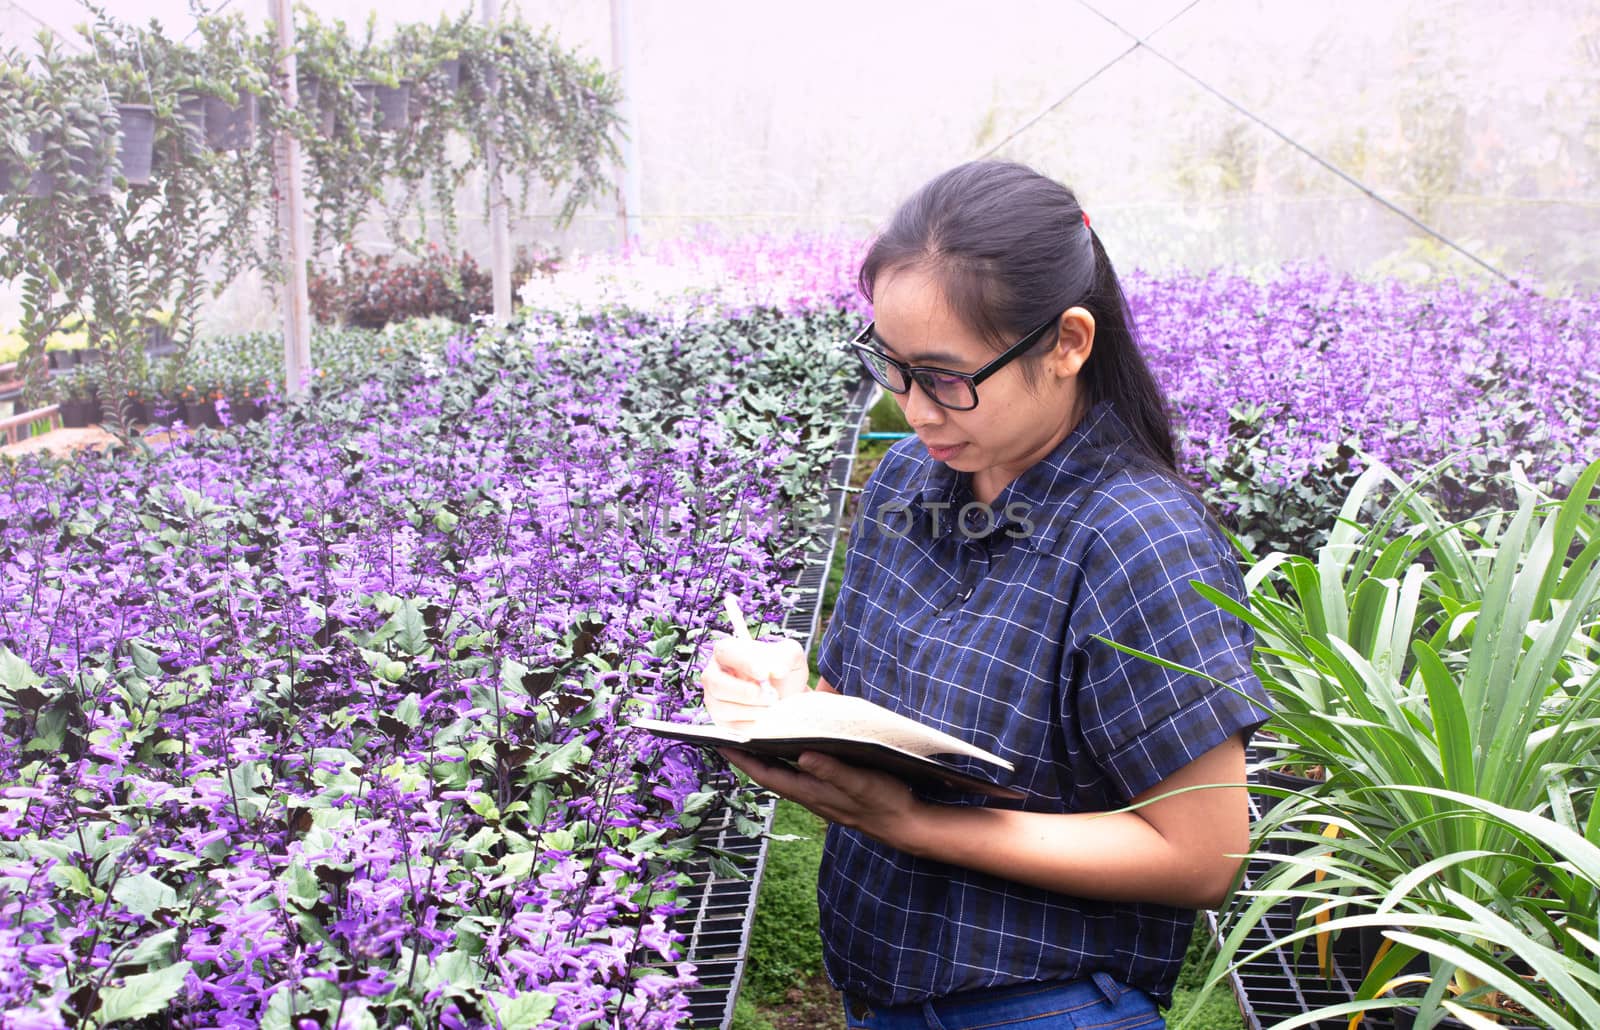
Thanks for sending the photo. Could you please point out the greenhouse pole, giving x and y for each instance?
(499, 227)
(291, 214)
(621, 60)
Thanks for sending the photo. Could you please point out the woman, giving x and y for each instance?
(1037, 513)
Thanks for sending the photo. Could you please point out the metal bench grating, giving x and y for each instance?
(719, 910)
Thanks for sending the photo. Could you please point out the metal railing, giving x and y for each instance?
(720, 910)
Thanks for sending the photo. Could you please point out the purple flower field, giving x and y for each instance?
(321, 721)
(1289, 367)
(1275, 384)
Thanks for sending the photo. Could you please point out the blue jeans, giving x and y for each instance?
(1097, 1003)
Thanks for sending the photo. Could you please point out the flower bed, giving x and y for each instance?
(324, 717)
(1280, 386)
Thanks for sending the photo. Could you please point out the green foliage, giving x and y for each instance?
(746, 1016)
(1210, 1011)
(1214, 1011)
(376, 291)
(89, 242)
(549, 114)
(784, 945)
(1446, 675)
(86, 242)
(1268, 510)
(886, 417)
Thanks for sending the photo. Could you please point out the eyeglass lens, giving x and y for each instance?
(951, 391)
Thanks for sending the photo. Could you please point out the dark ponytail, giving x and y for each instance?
(1011, 248)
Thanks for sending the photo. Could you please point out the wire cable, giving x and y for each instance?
(1069, 94)
(199, 12)
(57, 33)
(1329, 165)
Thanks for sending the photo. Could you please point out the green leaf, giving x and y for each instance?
(143, 994)
(17, 677)
(523, 1012)
(458, 968)
(511, 674)
(153, 947)
(303, 885)
(407, 628)
(559, 761)
(145, 660)
(409, 711)
(518, 864)
(144, 894)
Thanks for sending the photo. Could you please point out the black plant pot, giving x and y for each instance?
(202, 412)
(138, 411)
(245, 409)
(366, 104)
(394, 107)
(479, 79)
(231, 126)
(192, 115)
(42, 183)
(450, 69)
(136, 142)
(311, 103)
(1266, 802)
(74, 413)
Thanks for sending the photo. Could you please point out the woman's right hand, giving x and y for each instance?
(745, 677)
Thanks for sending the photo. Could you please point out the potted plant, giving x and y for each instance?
(14, 125)
(346, 157)
(79, 403)
(74, 146)
(1470, 679)
(538, 100)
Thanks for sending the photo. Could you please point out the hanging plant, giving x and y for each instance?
(233, 70)
(424, 159)
(60, 222)
(136, 134)
(124, 211)
(345, 154)
(551, 115)
(16, 124)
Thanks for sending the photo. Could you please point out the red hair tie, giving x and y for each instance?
(1085, 219)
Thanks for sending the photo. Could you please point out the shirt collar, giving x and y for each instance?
(1030, 507)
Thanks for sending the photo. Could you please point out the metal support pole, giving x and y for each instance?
(291, 214)
(294, 236)
(622, 61)
(499, 220)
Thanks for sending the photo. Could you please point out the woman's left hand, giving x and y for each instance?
(872, 802)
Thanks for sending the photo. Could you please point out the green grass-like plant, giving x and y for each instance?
(1446, 676)
(784, 944)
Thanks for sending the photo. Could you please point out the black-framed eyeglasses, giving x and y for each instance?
(948, 388)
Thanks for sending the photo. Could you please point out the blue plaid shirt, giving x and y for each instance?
(980, 620)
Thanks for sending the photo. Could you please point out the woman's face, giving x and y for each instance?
(1015, 423)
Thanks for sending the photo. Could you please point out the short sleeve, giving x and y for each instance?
(1143, 722)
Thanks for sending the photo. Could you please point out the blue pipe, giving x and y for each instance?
(885, 436)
